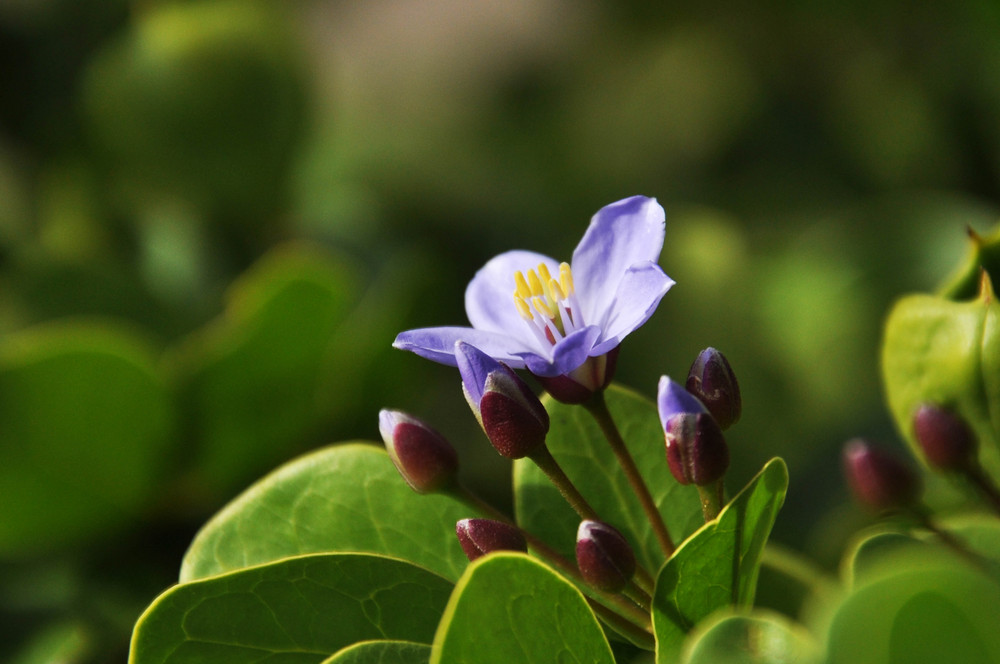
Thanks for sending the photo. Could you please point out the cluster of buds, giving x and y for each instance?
(693, 418)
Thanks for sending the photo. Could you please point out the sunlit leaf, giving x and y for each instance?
(298, 610)
(512, 609)
(719, 564)
(347, 497)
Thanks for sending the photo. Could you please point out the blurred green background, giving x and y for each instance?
(215, 216)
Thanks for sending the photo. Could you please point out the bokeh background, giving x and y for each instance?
(216, 215)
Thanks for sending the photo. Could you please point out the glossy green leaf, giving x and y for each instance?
(921, 608)
(249, 380)
(581, 449)
(85, 426)
(511, 609)
(346, 497)
(382, 652)
(298, 610)
(749, 638)
(947, 353)
(719, 564)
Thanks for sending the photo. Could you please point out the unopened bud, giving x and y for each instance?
(604, 556)
(712, 380)
(878, 479)
(424, 458)
(511, 415)
(481, 536)
(696, 449)
(946, 439)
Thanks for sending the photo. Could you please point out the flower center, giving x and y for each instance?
(547, 304)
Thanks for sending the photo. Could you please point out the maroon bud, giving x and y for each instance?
(945, 438)
(696, 449)
(603, 556)
(580, 384)
(481, 536)
(514, 431)
(712, 380)
(424, 458)
(879, 480)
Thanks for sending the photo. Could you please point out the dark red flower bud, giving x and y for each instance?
(696, 449)
(481, 536)
(511, 415)
(947, 441)
(879, 480)
(424, 458)
(604, 556)
(712, 380)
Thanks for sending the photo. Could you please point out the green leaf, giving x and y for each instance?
(578, 445)
(347, 497)
(382, 652)
(85, 427)
(509, 608)
(298, 610)
(922, 608)
(718, 565)
(947, 353)
(250, 380)
(760, 637)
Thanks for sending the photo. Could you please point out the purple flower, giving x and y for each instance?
(529, 311)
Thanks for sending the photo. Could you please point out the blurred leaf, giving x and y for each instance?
(578, 445)
(509, 608)
(250, 380)
(946, 353)
(85, 423)
(62, 642)
(789, 582)
(719, 564)
(296, 610)
(203, 101)
(382, 652)
(346, 497)
(920, 608)
(749, 638)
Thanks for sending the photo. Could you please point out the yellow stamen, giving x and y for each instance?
(542, 307)
(557, 292)
(566, 279)
(534, 283)
(522, 308)
(543, 273)
(522, 285)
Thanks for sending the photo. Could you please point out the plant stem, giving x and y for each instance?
(923, 515)
(984, 483)
(598, 407)
(639, 635)
(712, 499)
(547, 463)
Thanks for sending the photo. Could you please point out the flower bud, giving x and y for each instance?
(603, 556)
(424, 458)
(672, 399)
(878, 479)
(579, 385)
(481, 536)
(944, 437)
(712, 380)
(696, 449)
(512, 417)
